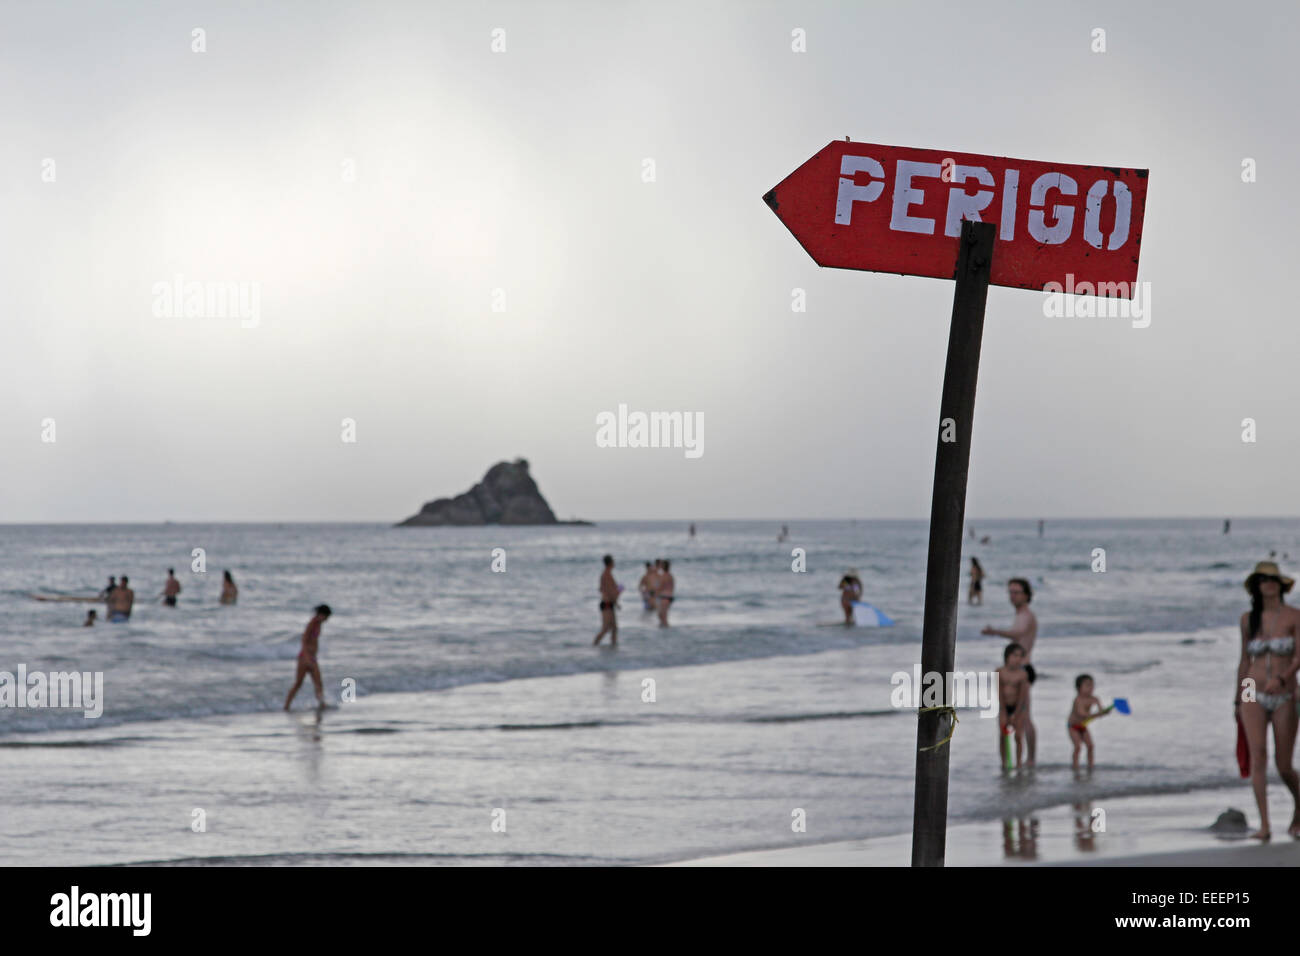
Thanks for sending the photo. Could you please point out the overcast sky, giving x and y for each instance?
(522, 171)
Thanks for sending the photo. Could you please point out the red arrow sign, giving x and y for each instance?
(900, 209)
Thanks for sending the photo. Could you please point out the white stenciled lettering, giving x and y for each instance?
(964, 205)
(1063, 215)
(994, 195)
(850, 192)
(1092, 214)
(1010, 189)
(906, 196)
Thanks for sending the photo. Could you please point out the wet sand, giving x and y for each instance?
(1153, 830)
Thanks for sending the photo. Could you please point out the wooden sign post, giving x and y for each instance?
(930, 213)
(947, 518)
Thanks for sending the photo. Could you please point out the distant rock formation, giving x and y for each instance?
(506, 495)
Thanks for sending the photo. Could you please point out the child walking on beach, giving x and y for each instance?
(1084, 708)
(1013, 688)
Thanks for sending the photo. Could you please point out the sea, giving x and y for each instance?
(473, 722)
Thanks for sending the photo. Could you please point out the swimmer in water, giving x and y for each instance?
(171, 588)
(120, 601)
(850, 590)
(646, 587)
(608, 604)
(976, 595)
(229, 593)
(664, 592)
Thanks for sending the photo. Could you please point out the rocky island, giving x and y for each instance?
(506, 495)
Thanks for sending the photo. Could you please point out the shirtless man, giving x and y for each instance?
(664, 593)
(307, 657)
(171, 588)
(608, 598)
(120, 600)
(1023, 631)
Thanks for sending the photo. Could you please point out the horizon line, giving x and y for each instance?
(684, 521)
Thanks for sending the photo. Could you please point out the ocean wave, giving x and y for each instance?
(827, 715)
(372, 730)
(251, 652)
(189, 680)
(59, 744)
(379, 858)
(1109, 667)
(568, 725)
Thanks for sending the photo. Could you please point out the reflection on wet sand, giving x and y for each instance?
(309, 736)
(1020, 838)
(1087, 824)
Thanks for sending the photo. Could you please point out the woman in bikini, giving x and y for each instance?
(307, 657)
(1270, 657)
(664, 591)
(976, 595)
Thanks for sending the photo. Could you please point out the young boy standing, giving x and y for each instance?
(1013, 691)
(1085, 706)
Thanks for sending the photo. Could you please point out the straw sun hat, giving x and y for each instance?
(1268, 569)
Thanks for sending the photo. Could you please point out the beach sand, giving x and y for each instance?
(1159, 830)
